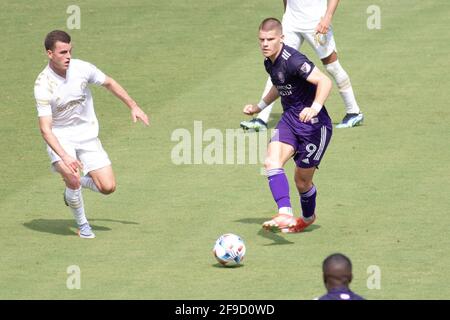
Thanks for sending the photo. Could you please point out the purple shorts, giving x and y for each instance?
(309, 140)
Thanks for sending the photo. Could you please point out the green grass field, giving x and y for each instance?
(383, 188)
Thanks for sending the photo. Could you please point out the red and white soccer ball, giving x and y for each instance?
(229, 249)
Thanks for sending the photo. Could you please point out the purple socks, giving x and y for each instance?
(279, 186)
(308, 202)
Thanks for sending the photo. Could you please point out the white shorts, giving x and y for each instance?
(90, 153)
(323, 49)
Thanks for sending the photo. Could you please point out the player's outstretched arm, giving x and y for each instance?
(45, 125)
(122, 94)
(323, 90)
(325, 21)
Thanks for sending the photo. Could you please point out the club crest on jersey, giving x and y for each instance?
(305, 67)
(281, 77)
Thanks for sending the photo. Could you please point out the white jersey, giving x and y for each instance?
(69, 100)
(303, 15)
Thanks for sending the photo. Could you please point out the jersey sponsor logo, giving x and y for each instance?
(71, 104)
(285, 93)
(285, 90)
(306, 161)
(305, 68)
(286, 87)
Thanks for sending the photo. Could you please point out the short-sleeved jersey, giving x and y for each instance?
(341, 294)
(69, 100)
(303, 15)
(288, 73)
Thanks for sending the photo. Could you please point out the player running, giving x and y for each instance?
(310, 20)
(69, 125)
(303, 131)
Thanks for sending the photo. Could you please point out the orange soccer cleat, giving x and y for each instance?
(299, 226)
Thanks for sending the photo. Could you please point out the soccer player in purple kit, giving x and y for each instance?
(303, 131)
(337, 275)
(310, 21)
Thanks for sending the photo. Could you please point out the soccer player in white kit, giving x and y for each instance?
(310, 20)
(69, 126)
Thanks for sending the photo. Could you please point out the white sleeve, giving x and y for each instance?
(95, 76)
(42, 102)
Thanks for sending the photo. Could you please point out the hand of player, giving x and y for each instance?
(137, 113)
(307, 114)
(251, 109)
(323, 25)
(73, 164)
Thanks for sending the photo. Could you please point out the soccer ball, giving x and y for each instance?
(229, 249)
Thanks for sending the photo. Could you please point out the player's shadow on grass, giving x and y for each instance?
(67, 227)
(277, 238)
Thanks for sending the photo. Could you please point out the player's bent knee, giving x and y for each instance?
(107, 188)
(302, 186)
(270, 163)
(72, 181)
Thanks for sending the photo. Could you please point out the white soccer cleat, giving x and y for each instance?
(351, 120)
(255, 124)
(85, 231)
(279, 222)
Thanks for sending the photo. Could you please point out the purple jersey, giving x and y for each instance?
(309, 140)
(288, 74)
(340, 294)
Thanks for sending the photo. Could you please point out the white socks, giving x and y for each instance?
(286, 210)
(87, 182)
(75, 201)
(265, 114)
(345, 87)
